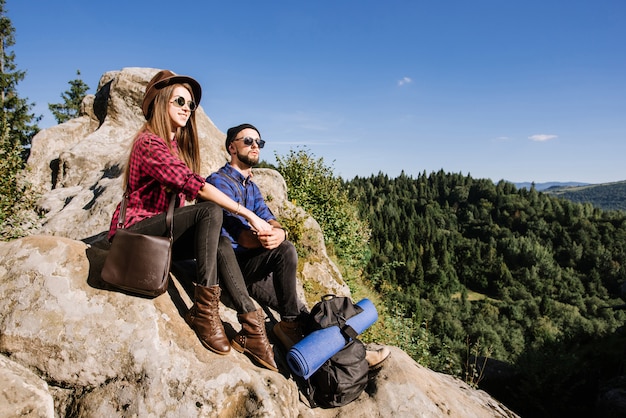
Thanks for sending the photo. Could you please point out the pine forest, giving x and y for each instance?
(494, 282)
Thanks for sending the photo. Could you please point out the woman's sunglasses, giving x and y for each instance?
(249, 141)
(179, 101)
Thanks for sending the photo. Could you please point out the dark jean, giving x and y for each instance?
(270, 278)
(196, 236)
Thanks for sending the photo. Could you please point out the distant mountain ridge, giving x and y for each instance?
(607, 196)
(543, 186)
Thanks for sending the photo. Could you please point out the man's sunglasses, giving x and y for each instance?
(179, 101)
(249, 141)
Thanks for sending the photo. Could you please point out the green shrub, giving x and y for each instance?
(312, 185)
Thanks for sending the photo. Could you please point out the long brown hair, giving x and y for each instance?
(161, 125)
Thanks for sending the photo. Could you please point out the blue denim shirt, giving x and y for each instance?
(243, 191)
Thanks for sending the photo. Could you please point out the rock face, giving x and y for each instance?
(93, 352)
(71, 346)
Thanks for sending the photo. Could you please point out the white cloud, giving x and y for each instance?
(542, 137)
(404, 80)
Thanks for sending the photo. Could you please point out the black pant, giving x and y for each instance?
(196, 235)
(270, 278)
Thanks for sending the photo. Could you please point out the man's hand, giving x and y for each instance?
(272, 238)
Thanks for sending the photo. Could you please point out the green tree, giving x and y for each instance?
(72, 99)
(17, 127)
(20, 121)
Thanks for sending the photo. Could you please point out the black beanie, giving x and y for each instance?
(232, 133)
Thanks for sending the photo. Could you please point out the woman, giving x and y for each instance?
(165, 159)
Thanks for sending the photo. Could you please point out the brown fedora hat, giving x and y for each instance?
(166, 78)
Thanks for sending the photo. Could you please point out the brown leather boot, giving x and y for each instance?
(376, 358)
(252, 339)
(204, 319)
(288, 332)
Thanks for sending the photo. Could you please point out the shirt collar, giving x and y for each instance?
(236, 174)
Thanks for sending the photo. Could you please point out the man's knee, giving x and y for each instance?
(288, 251)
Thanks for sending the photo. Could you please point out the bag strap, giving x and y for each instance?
(235, 183)
(310, 394)
(122, 216)
(169, 217)
(347, 331)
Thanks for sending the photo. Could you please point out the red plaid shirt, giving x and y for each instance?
(154, 171)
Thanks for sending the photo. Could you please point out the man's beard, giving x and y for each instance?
(250, 161)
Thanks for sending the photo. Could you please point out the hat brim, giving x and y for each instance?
(180, 79)
(152, 89)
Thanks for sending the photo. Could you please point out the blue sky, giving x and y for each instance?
(530, 90)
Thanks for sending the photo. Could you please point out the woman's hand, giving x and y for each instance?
(258, 224)
(213, 194)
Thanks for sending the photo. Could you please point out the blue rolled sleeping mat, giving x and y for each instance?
(308, 355)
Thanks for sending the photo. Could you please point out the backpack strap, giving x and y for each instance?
(346, 330)
(349, 332)
(309, 392)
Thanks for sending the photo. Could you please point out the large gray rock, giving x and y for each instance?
(22, 392)
(98, 352)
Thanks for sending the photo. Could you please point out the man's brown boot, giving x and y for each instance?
(252, 339)
(288, 332)
(204, 319)
(376, 358)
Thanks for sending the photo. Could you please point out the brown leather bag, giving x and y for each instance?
(140, 263)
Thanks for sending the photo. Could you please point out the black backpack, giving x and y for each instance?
(343, 377)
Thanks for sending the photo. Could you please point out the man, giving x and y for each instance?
(268, 261)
